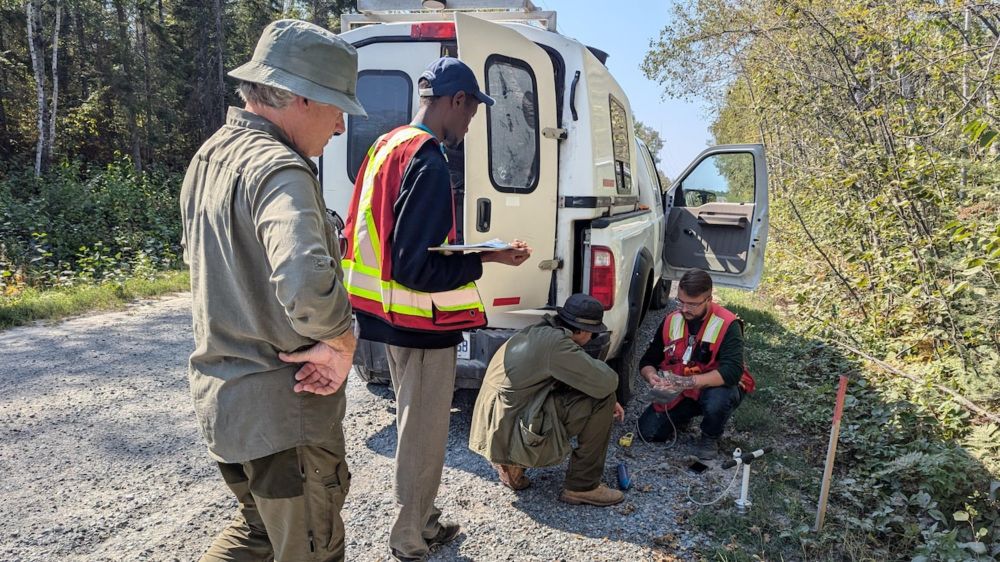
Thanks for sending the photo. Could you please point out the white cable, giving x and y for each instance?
(672, 426)
(724, 492)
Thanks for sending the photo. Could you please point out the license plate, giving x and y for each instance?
(464, 348)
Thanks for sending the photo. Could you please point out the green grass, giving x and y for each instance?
(51, 304)
(784, 486)
(902, 469)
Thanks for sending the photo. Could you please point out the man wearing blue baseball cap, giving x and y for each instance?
(414, 300)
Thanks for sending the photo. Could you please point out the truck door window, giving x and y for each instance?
(512, 125)
(387, 96)
(720, 178)
(620, 142)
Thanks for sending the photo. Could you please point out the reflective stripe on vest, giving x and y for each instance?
(676, 326)
(364, 276)
(713, 329)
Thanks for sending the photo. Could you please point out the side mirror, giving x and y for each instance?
(699, 197)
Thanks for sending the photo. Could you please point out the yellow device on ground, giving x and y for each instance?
(625, 440)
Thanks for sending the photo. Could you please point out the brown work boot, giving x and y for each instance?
(512, 476)
(600, 496)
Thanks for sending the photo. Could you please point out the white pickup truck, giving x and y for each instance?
(555, 163)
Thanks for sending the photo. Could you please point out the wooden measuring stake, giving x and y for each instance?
(831, 452)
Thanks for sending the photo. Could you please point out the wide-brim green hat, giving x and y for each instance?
(308, 61)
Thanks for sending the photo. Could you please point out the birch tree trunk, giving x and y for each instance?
(55, 81)
(38, 65)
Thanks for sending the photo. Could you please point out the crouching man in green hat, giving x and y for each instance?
(540, 389)
(271, 316)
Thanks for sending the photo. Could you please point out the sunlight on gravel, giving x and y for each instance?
(102, 461)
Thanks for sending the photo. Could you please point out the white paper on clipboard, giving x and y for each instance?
(494, 245)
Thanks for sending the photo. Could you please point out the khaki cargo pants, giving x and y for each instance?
(424, 381)
(289, 508)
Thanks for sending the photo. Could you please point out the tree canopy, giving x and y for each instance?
(140, 77)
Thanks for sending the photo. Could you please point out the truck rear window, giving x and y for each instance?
(512, 125)
(387, 96)
(620, 143)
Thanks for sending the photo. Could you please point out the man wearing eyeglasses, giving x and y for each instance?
(695, 366)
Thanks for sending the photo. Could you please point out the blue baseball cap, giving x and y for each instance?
(449, 76)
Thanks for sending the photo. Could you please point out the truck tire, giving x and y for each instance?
(661, 294)
(626, 364)
(373, 377)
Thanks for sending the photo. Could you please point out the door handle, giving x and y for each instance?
(483, 208)
(689, 232)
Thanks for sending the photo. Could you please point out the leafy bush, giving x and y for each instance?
(81, 224)
(884, 229)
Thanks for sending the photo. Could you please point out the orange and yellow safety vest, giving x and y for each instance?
(368, 260)
(675, 343)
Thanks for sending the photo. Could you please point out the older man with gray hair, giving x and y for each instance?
(272, 321)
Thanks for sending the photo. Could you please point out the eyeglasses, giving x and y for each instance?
(684, 305)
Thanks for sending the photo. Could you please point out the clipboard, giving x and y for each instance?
(494, 245)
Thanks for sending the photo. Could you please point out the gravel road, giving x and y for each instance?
(101, 460)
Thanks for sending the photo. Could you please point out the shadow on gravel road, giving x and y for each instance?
(642, 519)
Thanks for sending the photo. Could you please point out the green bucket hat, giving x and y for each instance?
(308, 61)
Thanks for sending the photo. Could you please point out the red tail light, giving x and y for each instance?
(433, 30)
(602, 276)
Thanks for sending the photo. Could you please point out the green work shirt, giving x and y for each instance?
(515, 419)
(265, 278)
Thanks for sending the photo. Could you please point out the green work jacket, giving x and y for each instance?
(265, 278)
(515, 419)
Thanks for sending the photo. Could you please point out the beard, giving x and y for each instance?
(692, 316)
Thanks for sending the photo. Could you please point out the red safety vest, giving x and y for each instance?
(368, 260)
(675, 344)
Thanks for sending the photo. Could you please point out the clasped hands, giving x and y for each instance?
(324, 365)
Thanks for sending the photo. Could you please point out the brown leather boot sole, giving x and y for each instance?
(601, 497)
(513, 477)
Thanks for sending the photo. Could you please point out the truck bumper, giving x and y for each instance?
(483, 344)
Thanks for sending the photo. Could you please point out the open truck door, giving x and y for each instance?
(717, 217)
(511, 162)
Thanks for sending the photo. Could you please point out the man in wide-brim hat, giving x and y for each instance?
(542, 388)
(271, 317)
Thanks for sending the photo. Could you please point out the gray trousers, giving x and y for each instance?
(424, 382)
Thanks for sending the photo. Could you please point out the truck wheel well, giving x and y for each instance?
(640, 288)
(648, 297)
(643, 270)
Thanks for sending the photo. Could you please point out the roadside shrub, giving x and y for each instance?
(81, 224)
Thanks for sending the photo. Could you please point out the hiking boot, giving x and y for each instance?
(707, 448)
(445, 535)
(600, 496)
(512, 476)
